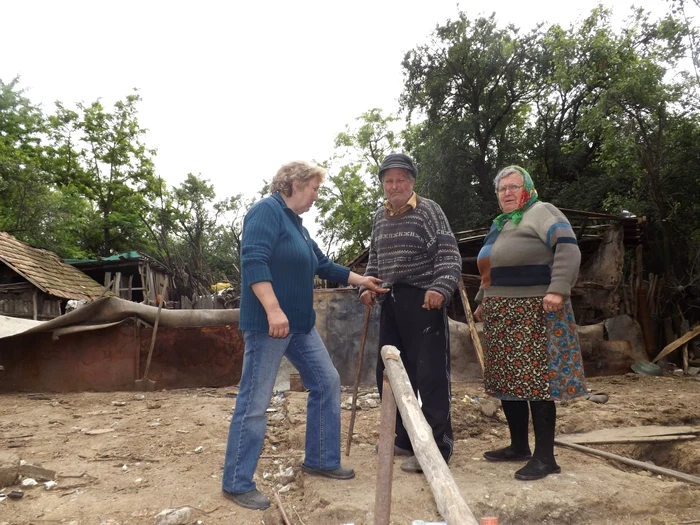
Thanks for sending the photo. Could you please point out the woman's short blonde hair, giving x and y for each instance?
(299, 171)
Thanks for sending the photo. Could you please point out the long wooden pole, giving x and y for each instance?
(385, 457)
(450, 502)
(632, 462)
(357, 380)
(472, 324)
(153, 335)
(678, 342)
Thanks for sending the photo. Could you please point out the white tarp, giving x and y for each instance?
(108, 311)
(10, 326)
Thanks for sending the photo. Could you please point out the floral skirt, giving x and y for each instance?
(530, 355)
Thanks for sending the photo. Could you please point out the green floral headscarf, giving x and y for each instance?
(528, 198)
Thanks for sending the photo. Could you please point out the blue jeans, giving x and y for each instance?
(261, 363)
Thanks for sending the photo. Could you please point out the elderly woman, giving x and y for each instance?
(279, 261)
(528, 264)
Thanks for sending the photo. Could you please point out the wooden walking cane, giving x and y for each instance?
(357, 380)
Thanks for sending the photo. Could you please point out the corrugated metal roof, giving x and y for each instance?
(46, 270)
(126, 256)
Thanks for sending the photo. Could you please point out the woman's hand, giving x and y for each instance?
(478, 313)
(433, 300)
(553, 302)
(279, 324)
(371, 283)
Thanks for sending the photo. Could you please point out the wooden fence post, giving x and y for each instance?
(385, 456)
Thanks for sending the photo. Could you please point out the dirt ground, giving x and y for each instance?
(122, 458)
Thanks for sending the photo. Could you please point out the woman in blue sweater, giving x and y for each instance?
(279, 261)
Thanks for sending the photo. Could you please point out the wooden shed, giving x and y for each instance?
(36, 283)
(130, 275)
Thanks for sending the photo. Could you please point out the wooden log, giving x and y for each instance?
(684, 351)
(385, 459)
(677, 343)
(450, 502)
(472, 324)
(632, 462)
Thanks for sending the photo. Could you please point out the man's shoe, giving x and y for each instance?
(250, 500)
(535, 469)
(398, 451)
(336, 473)
(506, 454)
(411, 465)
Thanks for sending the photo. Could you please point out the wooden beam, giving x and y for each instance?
(677, 343)
(450, 502)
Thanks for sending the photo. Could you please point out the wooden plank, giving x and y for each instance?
(677, 343)
(622, 440)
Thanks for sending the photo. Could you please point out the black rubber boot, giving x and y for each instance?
(518, 416)
(544, 416)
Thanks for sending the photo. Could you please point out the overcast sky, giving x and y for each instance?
(232, 90)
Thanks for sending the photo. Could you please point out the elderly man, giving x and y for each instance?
(413, 249)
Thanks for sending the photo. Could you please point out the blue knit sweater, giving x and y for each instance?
(277, 248)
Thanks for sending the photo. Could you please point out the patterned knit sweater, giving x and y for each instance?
(540, 256)
(415, 248)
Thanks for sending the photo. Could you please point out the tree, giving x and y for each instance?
(352, 193)
(197, 237)
(467, 96)
(102, 154)
(23, 181)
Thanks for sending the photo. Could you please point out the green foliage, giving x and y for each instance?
(197, 237)
(102, 155)
(352, 192)
(602, 118)
(468, 92)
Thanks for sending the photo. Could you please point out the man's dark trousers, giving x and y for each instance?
(422, 336)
